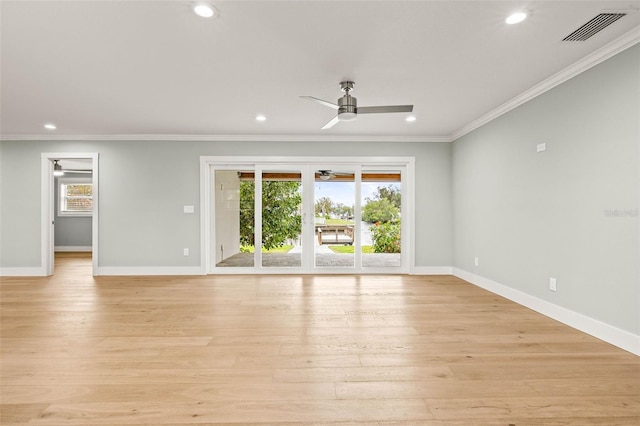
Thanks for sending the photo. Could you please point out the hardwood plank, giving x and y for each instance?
(139, 391)
(362, 374)
(557, 371)
(120, 376)
(239, 412)
(604, 407)
(516, 360)
(436, 388)
(423, 348)
(297, 361)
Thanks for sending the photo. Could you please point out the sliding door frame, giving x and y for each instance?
(210, 163)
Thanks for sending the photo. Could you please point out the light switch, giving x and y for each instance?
(189, 209)
(541, 147)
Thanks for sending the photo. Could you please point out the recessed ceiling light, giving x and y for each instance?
(50, 126)
(205, 10)
(261, 117)
(516, 18)
(411, 118)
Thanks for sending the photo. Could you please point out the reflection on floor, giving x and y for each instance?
(322, 260)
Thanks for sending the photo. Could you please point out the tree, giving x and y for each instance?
(343, 211)
(391, 193)
(324, 207)
(381, 210)
(281, 218)
(384, 206)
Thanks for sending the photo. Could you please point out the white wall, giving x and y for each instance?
(570, 212)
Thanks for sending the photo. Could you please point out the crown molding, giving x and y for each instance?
(228, 138)
(620, 44)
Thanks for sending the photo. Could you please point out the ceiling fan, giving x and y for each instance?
(348, 109)
(330, 174)
(59, 171)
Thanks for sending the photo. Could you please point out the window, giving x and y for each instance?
(75, 197)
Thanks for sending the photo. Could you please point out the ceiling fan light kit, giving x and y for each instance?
(347, 106)
(57, 169)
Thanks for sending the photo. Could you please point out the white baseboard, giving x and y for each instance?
(610, 334)
(73, 248)
(431, 270)
(37, 271)
(150, 270)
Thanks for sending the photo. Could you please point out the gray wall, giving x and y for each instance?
(71, 231)
(144, 185)
(570, 212)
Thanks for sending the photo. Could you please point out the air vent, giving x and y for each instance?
(594, 26)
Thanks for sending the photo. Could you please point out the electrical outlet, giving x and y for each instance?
(476, 261)
(553, 284)
(185, 251)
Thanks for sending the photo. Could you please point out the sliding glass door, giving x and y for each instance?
(381, 220)
(281, 212)
(334, 193)
(296, 217)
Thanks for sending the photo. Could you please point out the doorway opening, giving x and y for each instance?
(69, 211)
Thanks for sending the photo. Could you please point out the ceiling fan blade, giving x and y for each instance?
(320, 101)
(330, 124)
(382, 109)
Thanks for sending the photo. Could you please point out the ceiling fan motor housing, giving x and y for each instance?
(347, 108)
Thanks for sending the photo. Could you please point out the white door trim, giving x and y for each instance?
(48, 204)
(206, 163)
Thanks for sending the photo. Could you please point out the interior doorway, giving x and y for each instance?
(69, 214)
(307, 215)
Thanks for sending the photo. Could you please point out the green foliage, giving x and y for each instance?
(247, 207)
(338, 222)
(384, 206)
(381, 210)
(386, 237)
(343, 210)
(251, 249)
(391, 193)
(323, 207)
(281, 218)
(350, 249)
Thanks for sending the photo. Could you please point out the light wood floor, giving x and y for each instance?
(291, 350)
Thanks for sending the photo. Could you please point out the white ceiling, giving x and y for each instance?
(155, 68)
